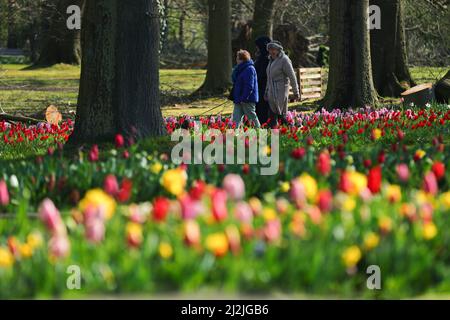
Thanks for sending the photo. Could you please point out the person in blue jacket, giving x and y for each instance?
(245, 89)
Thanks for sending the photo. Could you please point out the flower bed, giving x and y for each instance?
(354, 189)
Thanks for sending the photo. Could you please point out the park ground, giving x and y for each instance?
(25, 90)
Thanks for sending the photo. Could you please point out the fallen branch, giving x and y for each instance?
(7, 117)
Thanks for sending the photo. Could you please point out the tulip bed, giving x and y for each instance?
(355, 189)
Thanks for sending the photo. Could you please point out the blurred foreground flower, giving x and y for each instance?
(351, 256)
(174, 181)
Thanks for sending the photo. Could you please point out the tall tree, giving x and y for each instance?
(350, 82)
(218, 76)
(263, 18)
(388, 49)
(119, 88)
(59, 44)
(12, 8)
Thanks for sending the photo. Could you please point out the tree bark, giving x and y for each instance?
(59, 44)
(350, 81)
(218, 76)
(388, 49)
(442, 89)
(12, 41)
(119, 88)
(262, 20)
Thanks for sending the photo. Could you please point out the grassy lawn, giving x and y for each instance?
(27, 90)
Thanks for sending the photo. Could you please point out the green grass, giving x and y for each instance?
(29, 90)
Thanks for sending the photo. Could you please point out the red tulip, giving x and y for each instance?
(110, 185)
(298, 153)
(374, 179)
(160, 208)
(119, 141)
(325, 200)
(126, 188)
(438, 169)
(197, 190)
(94, 154)
(324, 163)
(345, 185)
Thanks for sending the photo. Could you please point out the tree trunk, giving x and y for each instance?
(59, 44)
(350, 81)
(165, 27)
(262, 20)
(12, 41)
(119, 88)
(218, 76)
(442, 89)
(388, 49)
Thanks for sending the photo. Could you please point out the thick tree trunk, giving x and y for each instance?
(262, 20)
(218, 76)
(350, 81)
(59, 44)
(388, 45)
(442, 89)
(12, 41)
(119, 88)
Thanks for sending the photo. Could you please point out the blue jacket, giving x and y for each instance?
(245, 83)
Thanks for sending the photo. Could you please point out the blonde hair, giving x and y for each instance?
(244, 55)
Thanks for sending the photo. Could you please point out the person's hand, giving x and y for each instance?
(296, 97)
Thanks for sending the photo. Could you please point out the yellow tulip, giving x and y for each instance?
(174, 181)
(351, 256)
(371, 241)
(429, 231)
(310, 185)
(217, 243)
(99, 199)
(6, 258)
(165, 250)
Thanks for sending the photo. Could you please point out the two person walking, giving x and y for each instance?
(261, 89)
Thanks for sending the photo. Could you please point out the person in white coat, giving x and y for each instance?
(280, 76)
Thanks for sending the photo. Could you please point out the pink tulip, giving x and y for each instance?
(402, 172)
(219, 205)
(94, 223)
(110, 185)
(243, 212)
(49, 214)
(4, 195)
(95, 230)
(190, 208)
(298, 193)
(59, 246)
(234, 186)
(430, 184)
(272, 230)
